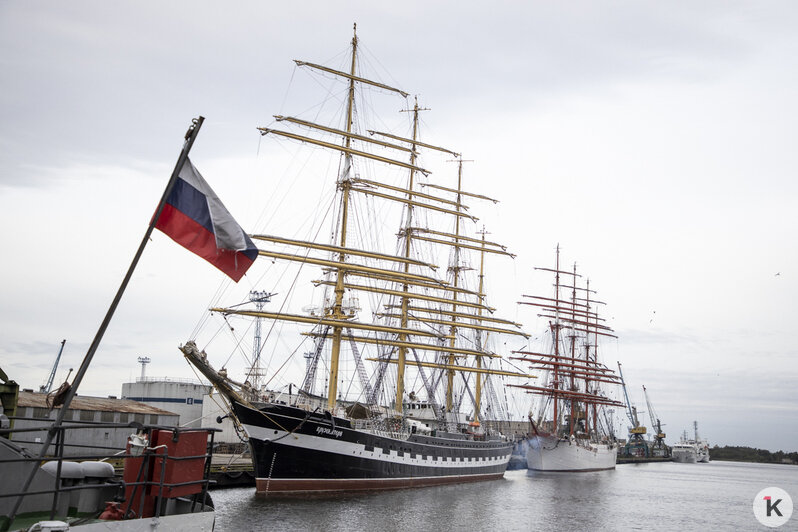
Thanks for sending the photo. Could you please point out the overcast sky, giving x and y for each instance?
(655, 142)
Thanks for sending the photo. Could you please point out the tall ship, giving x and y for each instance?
(571, 425)
(396, 387)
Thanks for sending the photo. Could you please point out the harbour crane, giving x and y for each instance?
(45, 388)
(658, 448)
(637, 445)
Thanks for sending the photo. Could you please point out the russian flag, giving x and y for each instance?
(195, 218)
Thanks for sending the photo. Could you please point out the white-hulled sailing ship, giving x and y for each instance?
(571, 429)
(423, 416)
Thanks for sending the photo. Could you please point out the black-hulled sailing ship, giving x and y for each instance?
(427, 413)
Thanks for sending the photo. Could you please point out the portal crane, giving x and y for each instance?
(637, 445)
(45, 388)
(658, 448)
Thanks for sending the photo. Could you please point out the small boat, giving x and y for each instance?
(572, 431)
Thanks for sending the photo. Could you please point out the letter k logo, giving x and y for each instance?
(772, 506)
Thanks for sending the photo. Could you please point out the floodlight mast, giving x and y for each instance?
(144, 361)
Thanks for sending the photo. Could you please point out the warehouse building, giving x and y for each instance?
(32, 411)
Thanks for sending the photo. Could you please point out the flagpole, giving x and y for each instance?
(191, 135)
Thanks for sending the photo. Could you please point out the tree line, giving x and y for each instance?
(749, 454)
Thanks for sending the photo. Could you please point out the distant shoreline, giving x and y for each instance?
(749, 454)
(712, 459)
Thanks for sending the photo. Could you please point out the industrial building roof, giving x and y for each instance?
(102, 404)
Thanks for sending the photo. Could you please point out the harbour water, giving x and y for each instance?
(653, 496)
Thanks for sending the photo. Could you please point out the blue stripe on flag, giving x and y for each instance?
(191, 202)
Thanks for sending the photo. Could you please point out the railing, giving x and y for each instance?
(142, 489)
(379, 428)
(172, 379)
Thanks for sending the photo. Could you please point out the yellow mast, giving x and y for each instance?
(337, 311)
(428, 289)
(401, 357)
(478, 387)
(455, 268)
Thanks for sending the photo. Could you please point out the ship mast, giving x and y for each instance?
(362, 270)
(455, 269)
(574, 403)
(345, 184)
(481, 290)
(556, 331)
(588, 424)
(408, 234)
(568, 369)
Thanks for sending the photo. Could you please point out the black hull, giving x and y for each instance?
(294, 451)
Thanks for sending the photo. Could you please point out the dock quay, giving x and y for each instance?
(232, 471)
(642, 459)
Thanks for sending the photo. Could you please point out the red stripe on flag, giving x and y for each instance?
(194, 237)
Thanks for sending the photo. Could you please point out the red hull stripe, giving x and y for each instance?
(195, 237)
(274, 486)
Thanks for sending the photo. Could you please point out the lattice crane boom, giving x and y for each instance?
(655, 423)
(45, 388)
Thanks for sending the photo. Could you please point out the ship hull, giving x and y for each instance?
(702, 452)
(295, 451)
(684, 456)
(547, 453)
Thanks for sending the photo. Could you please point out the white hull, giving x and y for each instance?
(690, 452)
(703, 454)
(546, 453)
(702, 451)
(685, 455)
